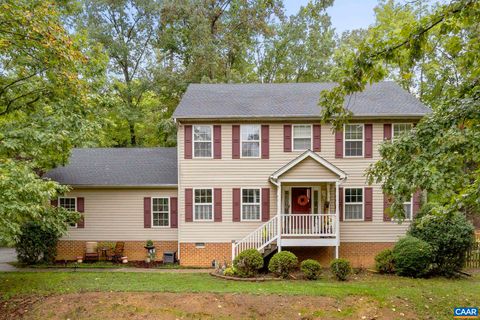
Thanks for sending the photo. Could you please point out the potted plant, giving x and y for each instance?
(150, 251)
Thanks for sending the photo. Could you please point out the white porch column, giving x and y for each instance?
(337, 217)
(279, 216)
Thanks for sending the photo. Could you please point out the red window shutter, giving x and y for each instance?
(54, 202)
(217, 142)
(387, 201)
(217, 212)
(287, 138)
(368, 141)
(236, 204)
(265, 141)
(338, 144)
(188, 142)
(317, 129)
(340, 204)
(387, 131)
(265, 204)
(368, 204)
(174, 212)
(417, 198)
(147, 212)
(81, 209)
(188, 205)
(235, 141)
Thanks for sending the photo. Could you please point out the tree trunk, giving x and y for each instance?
(133, 138)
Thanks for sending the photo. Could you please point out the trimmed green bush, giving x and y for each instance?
(384, 262)
(248, 262)
(311, 269)
(450, 237)
(283, 263)
(36, 244)
(340, 268)
(412, 256)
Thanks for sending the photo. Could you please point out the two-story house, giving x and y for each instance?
(253, 168)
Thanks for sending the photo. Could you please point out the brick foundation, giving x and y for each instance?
(134, 250)
(191, 255)
(360, 254)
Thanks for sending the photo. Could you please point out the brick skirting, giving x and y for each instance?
(193, 255)
(134, 250)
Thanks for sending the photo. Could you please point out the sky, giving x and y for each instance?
(346, 14)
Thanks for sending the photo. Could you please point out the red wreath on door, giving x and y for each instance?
(302, 200)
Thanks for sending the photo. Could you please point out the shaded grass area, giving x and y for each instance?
(427, 297)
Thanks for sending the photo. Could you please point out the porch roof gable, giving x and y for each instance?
(309, 154)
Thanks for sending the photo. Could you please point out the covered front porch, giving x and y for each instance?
(307, 207)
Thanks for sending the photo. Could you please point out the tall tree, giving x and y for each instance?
(48, 82)
(441, 155)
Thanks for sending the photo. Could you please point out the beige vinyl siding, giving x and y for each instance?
(228, 173)
(117, 214)
(309, 168)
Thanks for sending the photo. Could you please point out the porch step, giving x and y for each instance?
(269, 249)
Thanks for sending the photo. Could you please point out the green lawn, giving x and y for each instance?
(434, 297)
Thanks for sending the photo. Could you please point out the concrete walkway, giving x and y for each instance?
(9, 255)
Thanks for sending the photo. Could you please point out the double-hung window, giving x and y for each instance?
(353, 204)
(250, 141)
(202, 141)
(203, 204)
(353, 140)
(69, 204)
(160, 212)
(400, 128)
(407, 207)
(302, 137)
(251, 204)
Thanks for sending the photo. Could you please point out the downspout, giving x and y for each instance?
(279, 209)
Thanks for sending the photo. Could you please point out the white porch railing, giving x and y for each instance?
(299, 225)
(258, 239)
(304, 225)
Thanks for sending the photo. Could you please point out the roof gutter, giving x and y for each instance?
(103, 186)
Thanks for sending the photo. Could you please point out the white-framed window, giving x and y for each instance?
(400, 128)
(70, 204)
(302, 137)
(202, 141)
(203, 204)
(251, 204)
(160, 212)
(250, 140)
(353, 204)
(407, 207)
(353, 140)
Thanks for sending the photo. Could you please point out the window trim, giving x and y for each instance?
(345, 202)
(345, 140)
(211, 141)
(260, 204)
(397, 123)
(212, 204)
(76, 206)
(259, 141)
(293, 136)
(169, 213)
(411, 209)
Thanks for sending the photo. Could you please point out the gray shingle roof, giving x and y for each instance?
(118, 167)
(291, 100)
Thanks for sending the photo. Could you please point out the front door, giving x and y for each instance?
(301, 200)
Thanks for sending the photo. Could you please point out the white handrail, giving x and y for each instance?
(308, 225)
(259, 238)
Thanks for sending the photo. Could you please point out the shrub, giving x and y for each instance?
(412, 257)
(384, 262)
(311, 269)
(340, 268)
(248, 262)
(230, 272)
(283, 263)
(450, 238)
(36, 244)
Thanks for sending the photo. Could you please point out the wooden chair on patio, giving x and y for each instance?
(117, 254)
(91, 251)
